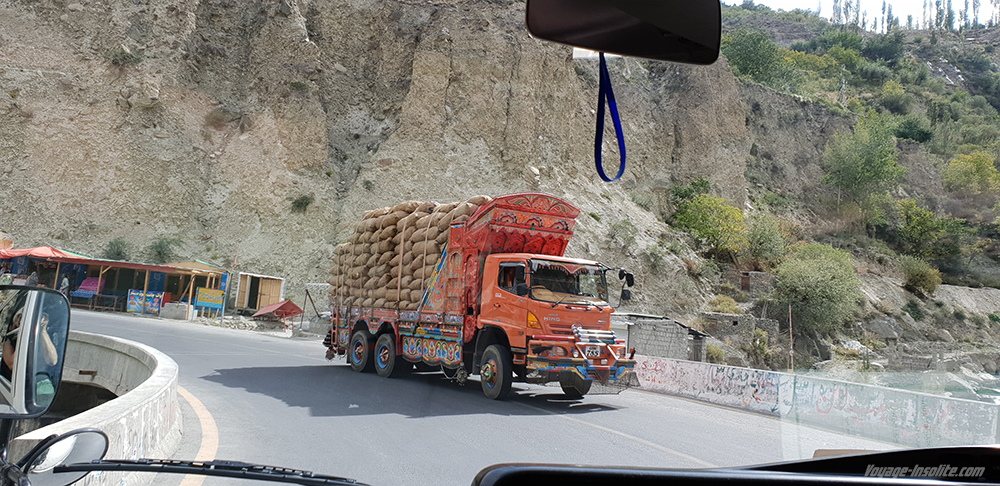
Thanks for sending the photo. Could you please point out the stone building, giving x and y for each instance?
(660, 336)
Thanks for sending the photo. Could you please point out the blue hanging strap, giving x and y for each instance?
(605, 90)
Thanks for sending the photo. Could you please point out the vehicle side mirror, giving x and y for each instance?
(626, 295)
(629, 279)
(621, 274)
(34, 327)
(521, 289)
(78, 446)
(671, 30)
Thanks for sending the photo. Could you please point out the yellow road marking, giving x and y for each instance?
(627, 436)
(209, 436)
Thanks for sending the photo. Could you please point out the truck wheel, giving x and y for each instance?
(387, 364)
(496, 373)
(359, 353)
(576, 391)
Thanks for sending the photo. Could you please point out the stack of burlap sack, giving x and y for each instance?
(389, 259)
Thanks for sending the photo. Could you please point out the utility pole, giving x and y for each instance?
(791, 343)
(229, 282)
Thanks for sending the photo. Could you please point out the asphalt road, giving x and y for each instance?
(277, 401)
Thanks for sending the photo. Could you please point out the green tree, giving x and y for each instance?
(972, 174)
(117, 249)
(862, 164)
(752, 54)
(820, 285)
(923, 234)
(765, 242)
(713, 220)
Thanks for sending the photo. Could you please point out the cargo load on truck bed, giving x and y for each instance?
(390, 257)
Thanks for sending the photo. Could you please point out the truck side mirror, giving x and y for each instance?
(34, 327)
(626, 295)
(629, 279)
(521, 289)
(78, 446)
(621, 274)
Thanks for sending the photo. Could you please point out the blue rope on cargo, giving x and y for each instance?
(606, 91)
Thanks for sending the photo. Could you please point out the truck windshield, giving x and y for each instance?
(568, 283)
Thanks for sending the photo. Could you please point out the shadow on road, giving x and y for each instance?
(336, 390)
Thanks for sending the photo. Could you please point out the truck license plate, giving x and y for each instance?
(592, 351)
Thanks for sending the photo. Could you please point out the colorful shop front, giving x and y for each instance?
(101, 284)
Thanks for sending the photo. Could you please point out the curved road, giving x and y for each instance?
(277, 401)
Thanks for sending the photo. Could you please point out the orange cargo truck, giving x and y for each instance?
(480, 287)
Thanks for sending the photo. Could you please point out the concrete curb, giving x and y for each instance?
(144, 421)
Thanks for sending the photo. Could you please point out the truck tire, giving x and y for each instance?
(359, 353)
(387, 364)
(496, 374)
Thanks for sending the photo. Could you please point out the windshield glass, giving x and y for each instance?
(568, 283)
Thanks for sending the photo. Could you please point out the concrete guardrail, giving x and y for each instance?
(891, 415)
(144, 421)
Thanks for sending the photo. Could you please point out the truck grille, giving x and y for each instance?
(564, 329)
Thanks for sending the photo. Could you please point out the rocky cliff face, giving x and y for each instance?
(203, 120)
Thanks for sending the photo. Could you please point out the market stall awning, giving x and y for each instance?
(283, 309)
(38, 252)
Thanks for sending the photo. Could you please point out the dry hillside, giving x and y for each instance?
(203, 120)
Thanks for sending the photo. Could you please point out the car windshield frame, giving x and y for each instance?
(551, 289)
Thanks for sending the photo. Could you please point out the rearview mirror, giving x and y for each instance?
(34, 326)
(78, 446)
(688, 31)
(629, 279)
(626, 295)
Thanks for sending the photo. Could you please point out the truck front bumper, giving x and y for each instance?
(581, 357)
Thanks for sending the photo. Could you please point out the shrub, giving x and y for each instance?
(971, 174)
(888, 47)
(117, 249)
(368, 185)
(994, 317)
(656, 257)
(820, 285)
(757, 351)
(644, 200)
(914, 128)
(919, 276)
(914, 309)
(123, 57)
(301, 203)
(725, 305)
(624, 232)
(595, 216)
(765, 242)
(752, 54)
(679, 193)
(161, 250)
(923, 234)
(713, 220)
(959, 314)
(715, 354)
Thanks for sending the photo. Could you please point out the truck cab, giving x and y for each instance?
(555, 314)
